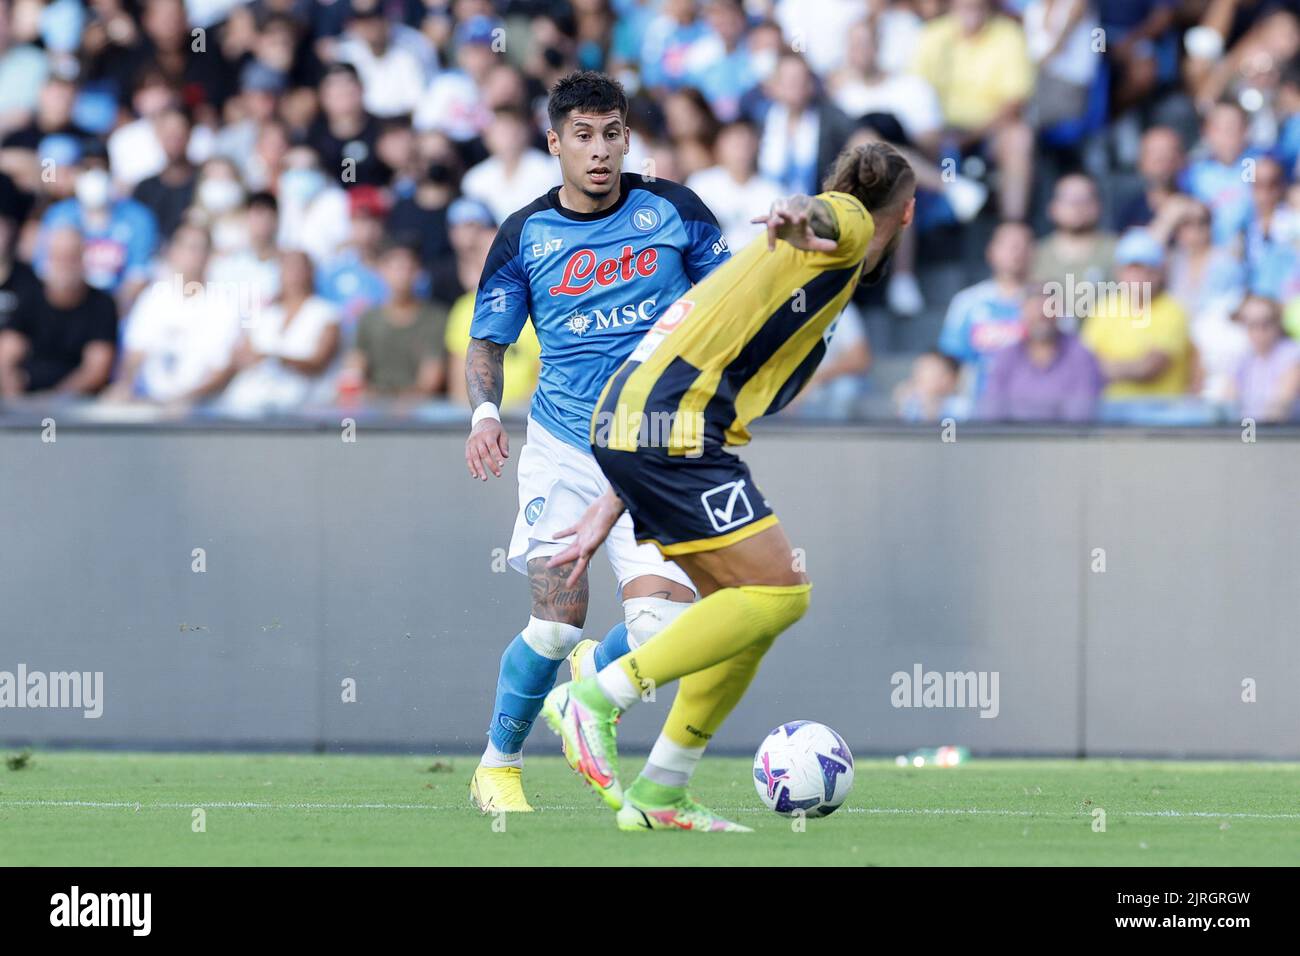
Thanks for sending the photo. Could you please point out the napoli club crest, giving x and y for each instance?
(645, 219)
(533, 510)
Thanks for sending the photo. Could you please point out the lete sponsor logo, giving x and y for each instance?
(584, 270)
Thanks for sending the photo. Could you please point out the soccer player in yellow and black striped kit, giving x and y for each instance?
(735, 347)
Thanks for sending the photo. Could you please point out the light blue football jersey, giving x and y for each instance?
(592, 284)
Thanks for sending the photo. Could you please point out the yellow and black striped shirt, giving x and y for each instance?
(737, 346)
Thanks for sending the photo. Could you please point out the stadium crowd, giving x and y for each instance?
(256, 208)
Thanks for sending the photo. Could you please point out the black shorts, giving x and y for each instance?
(684, 505)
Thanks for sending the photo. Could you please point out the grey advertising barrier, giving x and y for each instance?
(1107, 592)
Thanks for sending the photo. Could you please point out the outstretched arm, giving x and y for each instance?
(487, 447)
(805, 222)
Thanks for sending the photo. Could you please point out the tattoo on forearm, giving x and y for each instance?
(823, 219)
(820, 216)
(485, 372)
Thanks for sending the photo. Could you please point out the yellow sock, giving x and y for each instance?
(705, 698)
(714, 630)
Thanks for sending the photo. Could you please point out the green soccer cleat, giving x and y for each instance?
(585, 721)
(651, 806)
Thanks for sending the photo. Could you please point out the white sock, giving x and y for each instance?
(587, 661)
(618, 687)
(495, 758)
(670, 763)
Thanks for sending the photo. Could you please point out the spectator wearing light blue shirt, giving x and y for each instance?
(984, 318)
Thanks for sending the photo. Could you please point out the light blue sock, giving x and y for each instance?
(526, 678)
(612, 647)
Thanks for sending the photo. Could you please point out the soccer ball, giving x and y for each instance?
(803, 766)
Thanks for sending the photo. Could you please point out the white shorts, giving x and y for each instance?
(557, 483)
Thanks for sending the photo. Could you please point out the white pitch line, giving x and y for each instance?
(898, 811)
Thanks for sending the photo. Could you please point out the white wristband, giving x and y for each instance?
(486, 410)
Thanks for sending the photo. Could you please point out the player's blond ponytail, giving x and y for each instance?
(876, 174)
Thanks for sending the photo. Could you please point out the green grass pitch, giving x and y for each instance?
(109, 808)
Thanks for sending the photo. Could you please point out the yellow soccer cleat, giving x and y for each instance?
(576, 656)
(498, 790)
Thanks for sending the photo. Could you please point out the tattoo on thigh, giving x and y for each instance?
(552, 600)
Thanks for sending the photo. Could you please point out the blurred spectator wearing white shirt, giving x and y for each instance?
(313, 210)
(392, 74)
(292, 343)
(514, 174)
(734, 190)
(181, 335)
(863, 87)
(453, 104)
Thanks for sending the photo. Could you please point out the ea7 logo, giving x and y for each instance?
(727, 505)
(102, 909)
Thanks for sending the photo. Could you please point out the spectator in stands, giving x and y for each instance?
(931, 393)
(350, 280)
(985, 318)
(401, 345)
(20, 290)
(803, 131)
(64, 339)
(977, 61)
(453, 103)
(863, 89)
(1048, 376)
(23, 149)
(1061, 38)
(118, 235)
(314, 212)
(1141, 48)
(1161, 159)
(393, 75)
(1200, 273)
(514, 174)
(345, 135)
(721, 64)
(1271, 233)
(1140, 335)
(469, 224)
(424, 213)
(260, 89)
(220, 205)
(1268, 380)
(252, 270)
(278, 360)
(667, 42)
(1077, 250)
(734, 187)
(1217, 177)
(169, 193)
(180, 337)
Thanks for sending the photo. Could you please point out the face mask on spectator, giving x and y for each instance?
(300, 185)
(219, 196)
(93, 188)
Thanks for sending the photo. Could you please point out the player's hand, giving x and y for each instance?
(486, 449)
(792, 221)
(588, 534)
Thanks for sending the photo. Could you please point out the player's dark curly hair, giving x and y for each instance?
(586, 90)
(876, 174)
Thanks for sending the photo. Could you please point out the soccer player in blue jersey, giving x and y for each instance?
(591, 264)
